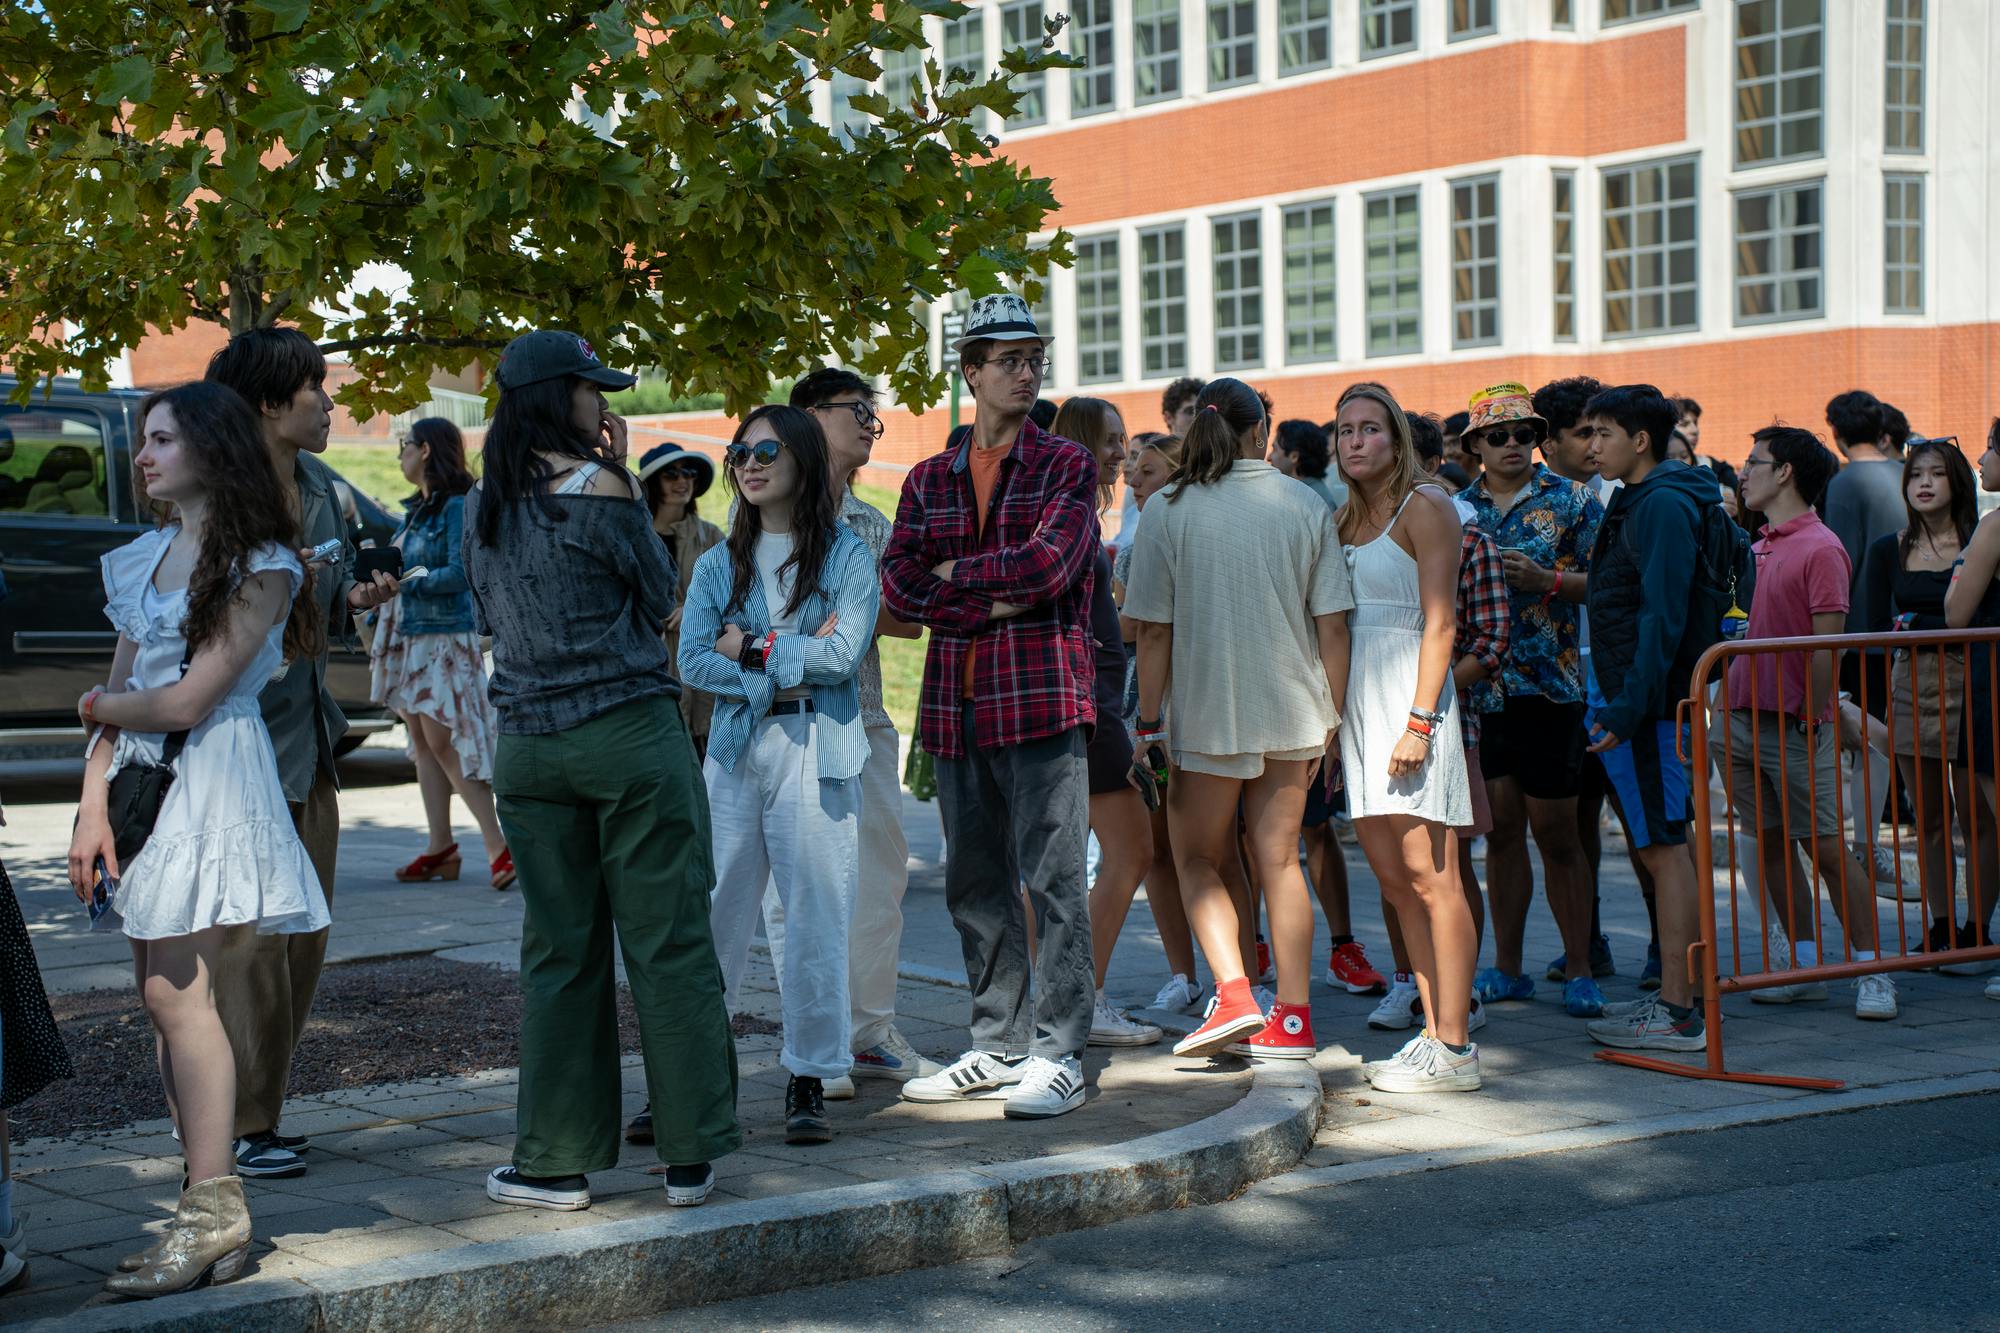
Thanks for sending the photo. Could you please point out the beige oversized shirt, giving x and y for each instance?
(1240, 569)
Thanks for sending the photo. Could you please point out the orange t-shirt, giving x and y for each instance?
(984, 465)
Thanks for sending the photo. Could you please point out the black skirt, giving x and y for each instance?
(32, 1054)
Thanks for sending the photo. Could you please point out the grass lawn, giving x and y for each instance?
(372, 467)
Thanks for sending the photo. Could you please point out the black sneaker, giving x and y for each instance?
(805, 1112)
(689, 1185)
(562, 1194)
(641, 1128)
(296, 1142)
(262, 1156)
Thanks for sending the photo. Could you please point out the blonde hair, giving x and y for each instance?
(1403, 472)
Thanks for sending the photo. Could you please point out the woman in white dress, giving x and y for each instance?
(1401, 753)
(207, 610)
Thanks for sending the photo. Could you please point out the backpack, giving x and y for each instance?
(1725, 576)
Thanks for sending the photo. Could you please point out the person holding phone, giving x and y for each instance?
(207, 610)
(426, 661)
(778, 621)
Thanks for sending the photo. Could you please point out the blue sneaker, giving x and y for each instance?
(1600, 961)
(1582, 998)
(1649, 975)
(1492, 986)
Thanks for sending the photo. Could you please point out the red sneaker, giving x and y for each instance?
(1221, 1025)
(1349, 970)
(1288, 1036)
(1265, 975)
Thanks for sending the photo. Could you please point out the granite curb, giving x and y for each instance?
(679, 1258)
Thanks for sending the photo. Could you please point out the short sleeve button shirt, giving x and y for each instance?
(1554, 523)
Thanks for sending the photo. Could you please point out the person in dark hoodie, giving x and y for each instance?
(1643, 600)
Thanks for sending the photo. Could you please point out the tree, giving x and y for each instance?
(648, 178)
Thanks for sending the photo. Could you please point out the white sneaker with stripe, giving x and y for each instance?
(1047, 1088)
(973, 1077)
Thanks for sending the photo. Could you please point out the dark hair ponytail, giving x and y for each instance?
(1226, 411)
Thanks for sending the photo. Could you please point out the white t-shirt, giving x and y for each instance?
(773, 549)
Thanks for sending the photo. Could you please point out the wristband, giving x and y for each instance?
(90, 702)
(1435, 719)
(1421, 727)
(1423, 736)
(1554, 589)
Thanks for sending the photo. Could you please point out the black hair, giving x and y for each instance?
(1677, 435)
(1451, 474)
(1561, 402)
(1427, 434)
(1895, 426)
(1811, 462)
(445, 469)
(1456, 423)
(1178, 393)
(528, 422)
(1964, 492)
(1309, 443)
(827, 383)
(815, 517)
(1043, 414)
(1636, 408)
(268, 366)
(1227, 410)
(1855, 417)
(1688, 407)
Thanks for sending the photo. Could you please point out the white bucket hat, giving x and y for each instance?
(1002, 318)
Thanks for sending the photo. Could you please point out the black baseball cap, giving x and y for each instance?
(548, 354)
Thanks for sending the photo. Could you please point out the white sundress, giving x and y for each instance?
(1385, 635)
(223, 851)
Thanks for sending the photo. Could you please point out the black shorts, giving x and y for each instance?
(1109, 758)
(1321, 799)
(1538, 743)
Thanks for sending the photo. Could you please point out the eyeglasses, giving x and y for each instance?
(1014, 365)
(763, 454)
(864, 416)
(1754, 461)
(1524, 435)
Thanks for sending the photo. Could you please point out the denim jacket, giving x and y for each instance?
(828, 666)
(441, 601)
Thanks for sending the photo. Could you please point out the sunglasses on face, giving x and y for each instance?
(682, 473)
(864, 416)
(1525, 436)
(762, 454)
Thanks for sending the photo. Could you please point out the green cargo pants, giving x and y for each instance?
(608, 823)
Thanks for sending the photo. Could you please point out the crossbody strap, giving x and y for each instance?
(176, 740)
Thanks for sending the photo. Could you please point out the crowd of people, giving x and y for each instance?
(1431, 632)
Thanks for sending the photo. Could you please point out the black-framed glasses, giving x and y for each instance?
(865, 416)
(1525, 435)
(762, 454)
(1014, 365)
(1754, 461)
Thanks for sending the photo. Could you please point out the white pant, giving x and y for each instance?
(877, 938)
(773, 819)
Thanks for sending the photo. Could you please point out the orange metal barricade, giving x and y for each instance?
(1736, 733)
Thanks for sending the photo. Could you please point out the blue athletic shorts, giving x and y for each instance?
(1647, 781)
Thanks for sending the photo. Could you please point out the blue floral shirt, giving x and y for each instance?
(1554, 523)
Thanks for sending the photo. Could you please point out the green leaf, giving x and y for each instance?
(286, 15)
(127, 80)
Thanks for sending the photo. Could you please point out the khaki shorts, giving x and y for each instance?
(1763, 760)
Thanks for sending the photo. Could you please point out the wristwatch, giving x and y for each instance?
(751, 656)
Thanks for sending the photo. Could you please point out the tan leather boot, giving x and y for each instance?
(208, 1242)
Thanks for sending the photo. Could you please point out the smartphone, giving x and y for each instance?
(325, 552)
(378, 559)
(102, 890)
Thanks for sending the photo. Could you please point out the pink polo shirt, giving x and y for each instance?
(1802, 571)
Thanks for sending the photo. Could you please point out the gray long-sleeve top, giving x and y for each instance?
(574, 591)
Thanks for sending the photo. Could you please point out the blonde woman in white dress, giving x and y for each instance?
(207, 610)
(1402, 756)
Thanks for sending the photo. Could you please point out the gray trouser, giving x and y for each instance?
(1020, 814)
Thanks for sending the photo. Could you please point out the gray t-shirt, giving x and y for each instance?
(1864, 501)
(868, 523)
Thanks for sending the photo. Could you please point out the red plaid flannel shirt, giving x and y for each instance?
(1485, 623)
(1033, 673)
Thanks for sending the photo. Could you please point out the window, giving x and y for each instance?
(901, 69)
(1472, 18)
(1239, 292)
(1779, 254)
(1903, 127)
(1232, 42)
(53, 463)
(1903, 245)
(1098, 343)
(1565, 256)
(1156, 50)
(1093, 87)
(1780, 59)
(964, 46)
(1625, 11)
(1305, 35)
(1387, 26)
(1021, 26)
(1311, 321)
(1562, 16)
(1395, 273)
(848, 124)
(1475, 262)
(1650, 246)
(1163, 301)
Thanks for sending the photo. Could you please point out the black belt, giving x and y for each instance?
(787, 707)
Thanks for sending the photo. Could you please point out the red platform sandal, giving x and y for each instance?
(432, 865)
(503, 869)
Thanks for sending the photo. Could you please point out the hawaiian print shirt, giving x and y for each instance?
(1554, 523)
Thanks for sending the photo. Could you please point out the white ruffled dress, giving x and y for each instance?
(224, 851)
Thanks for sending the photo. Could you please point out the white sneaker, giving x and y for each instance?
(1108, 1027)
(838, 1089)
(1428, 1065)
(892, 1057)
(1993, 989)
(1875, 997)
(1474, 1021)
(1889, 883)
(1180, 995)
(1805, 990)
(16, 1241)
(1368, 1067)
(1477, 1018)
(973, 1077)
(12, 1266)
(1263, 997)
(1047, 1088)
(1398, 1009)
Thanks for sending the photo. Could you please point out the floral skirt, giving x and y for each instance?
(441, 677)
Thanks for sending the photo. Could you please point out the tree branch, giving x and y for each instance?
(407, 340)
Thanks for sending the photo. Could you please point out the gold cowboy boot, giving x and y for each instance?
(132, 1263)
(208, 1242)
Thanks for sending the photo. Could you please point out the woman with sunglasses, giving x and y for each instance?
(778, 621)
(598, 789)
(675, 480)
(427, 664)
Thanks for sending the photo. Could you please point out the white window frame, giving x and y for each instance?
(1634, 250)
(1470, 259)
(1406, 279)
(1776, 120)
(1898, 267)
(1386, 13)
(1235, 49)
(1300, 22)
(1239, 340)
(1170, 343)
(1164, 62)
(1307, 268)
(1780, 238)
(1099, 308)
(1907, 28)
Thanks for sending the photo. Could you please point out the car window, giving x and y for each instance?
(52, 462)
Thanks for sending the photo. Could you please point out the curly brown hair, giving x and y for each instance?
(247, 508)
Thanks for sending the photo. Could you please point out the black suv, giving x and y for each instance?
(65, 499)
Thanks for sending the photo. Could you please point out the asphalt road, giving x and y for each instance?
(1886, 1218)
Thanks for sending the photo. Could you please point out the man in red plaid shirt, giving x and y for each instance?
(992, 550)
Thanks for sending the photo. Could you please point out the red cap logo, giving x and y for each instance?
(584, 347)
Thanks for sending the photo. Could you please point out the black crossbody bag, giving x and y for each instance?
(137, 791)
